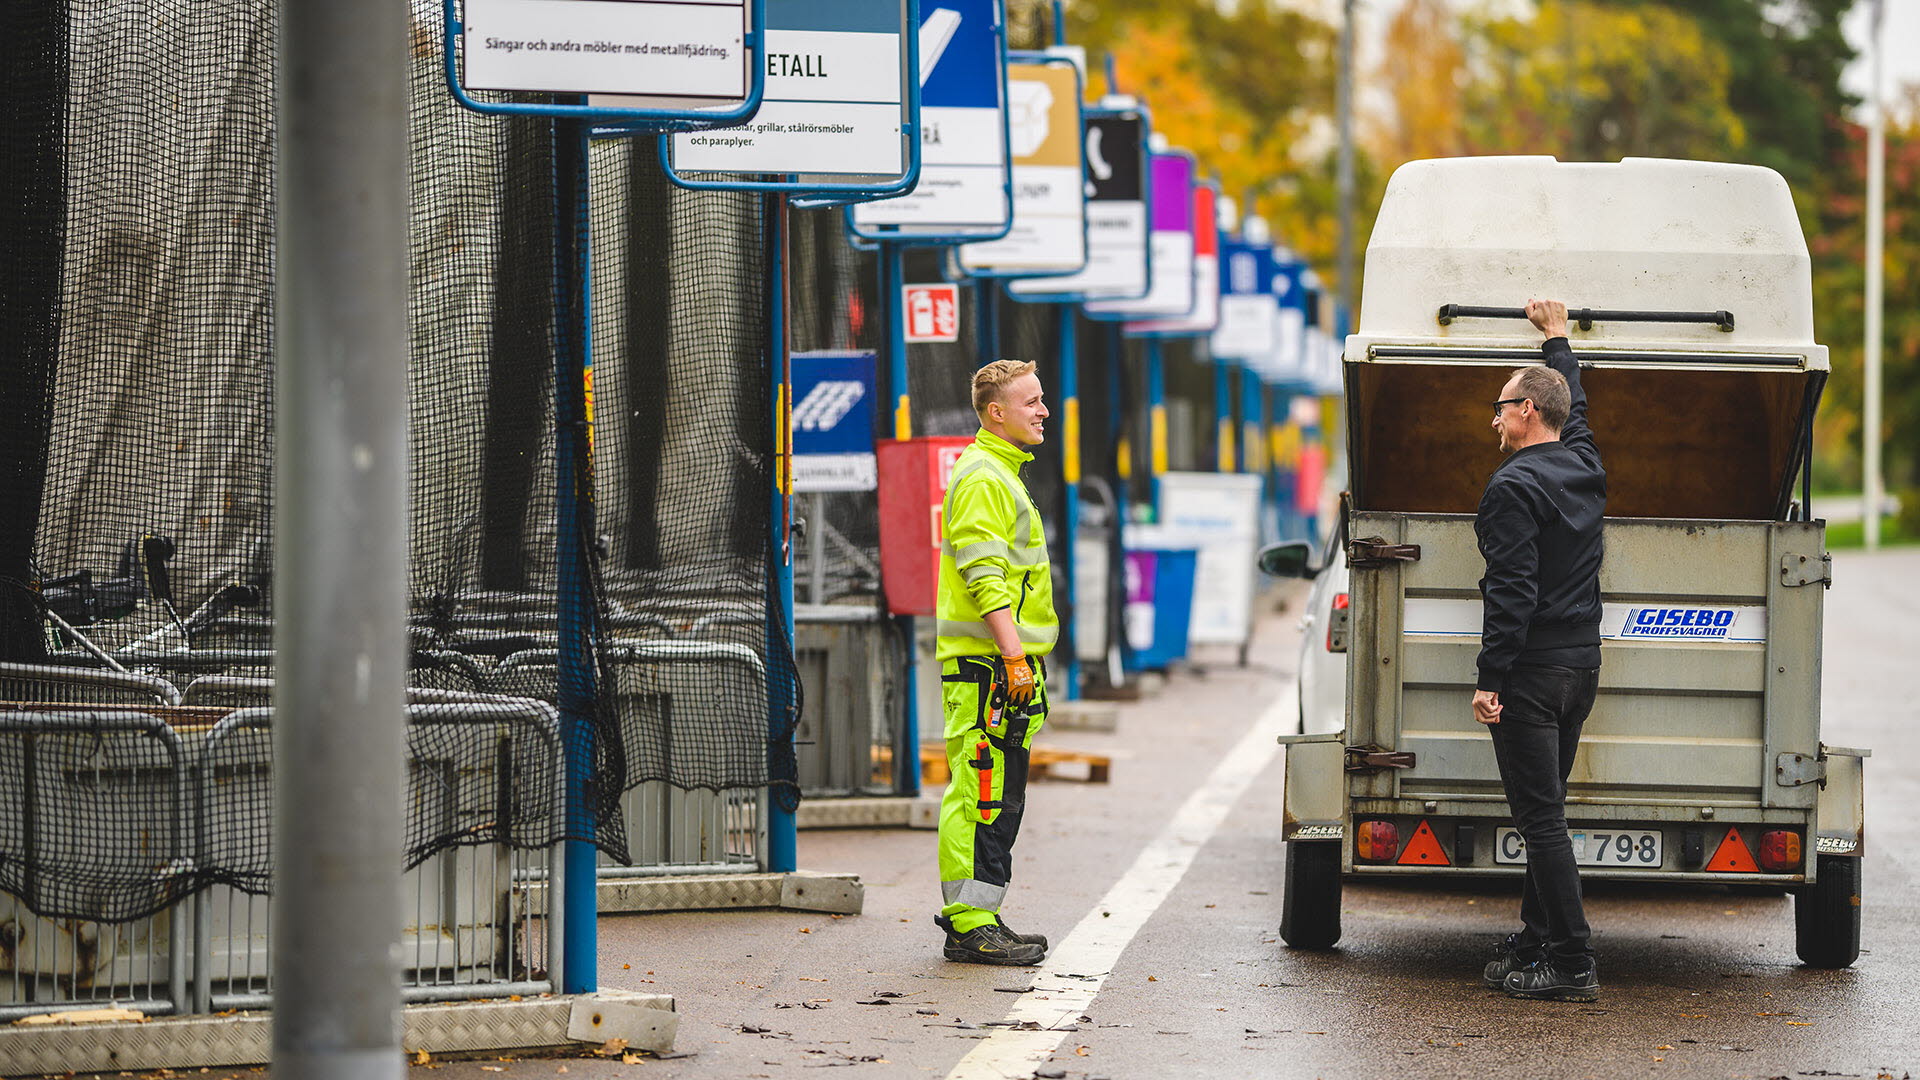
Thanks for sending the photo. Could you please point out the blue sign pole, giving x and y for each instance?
(782, 830)
(1156, 422)
(1223, 414)
(893, 284)
(573, 477)
(1070, 473)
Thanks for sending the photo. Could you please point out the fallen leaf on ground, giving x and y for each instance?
(1153, 978)
(806, 929)
(421, 1057)
(612, 1047)
(631, 1059)
(1081, 1050)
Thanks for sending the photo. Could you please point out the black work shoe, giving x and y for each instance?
(991, 944)
(1511, 959)
(1024, 939)
(1541, 981)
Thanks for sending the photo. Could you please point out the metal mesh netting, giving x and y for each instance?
(683, 446)
(136, 328)
(834, 305)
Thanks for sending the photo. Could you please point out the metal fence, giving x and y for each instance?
(471, 927)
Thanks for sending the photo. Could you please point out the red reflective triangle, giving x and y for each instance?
(1424, 849)
(1733, 856)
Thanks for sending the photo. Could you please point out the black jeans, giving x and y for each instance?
(1542, 711)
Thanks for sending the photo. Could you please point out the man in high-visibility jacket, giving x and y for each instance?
(995, 622)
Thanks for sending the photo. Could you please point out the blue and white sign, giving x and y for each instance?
(1288, 362)
(965, 168)
(1688, 623)
(836, 102)
(834, 394)
(1247, 305)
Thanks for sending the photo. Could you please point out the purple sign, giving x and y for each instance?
(1170, 219)
(1172, 193)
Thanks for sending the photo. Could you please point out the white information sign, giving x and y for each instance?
(831, 106)
(1218, 513)
(1049, 232)
(662, 48)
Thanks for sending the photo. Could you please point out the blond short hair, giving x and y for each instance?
(990, 382)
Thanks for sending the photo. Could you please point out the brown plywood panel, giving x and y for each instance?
(1677, 443)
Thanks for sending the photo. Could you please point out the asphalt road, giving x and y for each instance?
(1699, 981)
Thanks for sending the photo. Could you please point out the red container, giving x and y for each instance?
(913, 485)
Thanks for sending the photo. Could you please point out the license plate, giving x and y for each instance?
(1636, 848)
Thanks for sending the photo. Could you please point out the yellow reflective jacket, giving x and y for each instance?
(993, 554)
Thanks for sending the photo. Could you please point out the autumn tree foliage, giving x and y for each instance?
(1249, 86)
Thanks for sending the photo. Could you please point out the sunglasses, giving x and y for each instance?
(1498, 406)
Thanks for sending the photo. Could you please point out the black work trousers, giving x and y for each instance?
(1542, 711)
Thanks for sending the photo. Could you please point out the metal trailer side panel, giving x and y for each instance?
(1679, 721)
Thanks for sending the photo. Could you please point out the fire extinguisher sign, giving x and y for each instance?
(933, 312)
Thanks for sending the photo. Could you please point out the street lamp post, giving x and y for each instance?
(1876, 197)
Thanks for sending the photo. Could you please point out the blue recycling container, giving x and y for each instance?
(1159, 607)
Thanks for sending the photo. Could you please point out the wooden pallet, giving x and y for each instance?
(1043, 763)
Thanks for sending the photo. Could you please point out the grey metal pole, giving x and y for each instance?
(1876, 227)
(1344, 106)
(340, 453)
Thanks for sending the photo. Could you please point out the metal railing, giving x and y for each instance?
(472, 928)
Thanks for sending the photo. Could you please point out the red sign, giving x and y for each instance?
(933, 312)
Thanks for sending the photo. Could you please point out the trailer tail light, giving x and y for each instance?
(1377, 841)
(1780, 850)
(1337, 621)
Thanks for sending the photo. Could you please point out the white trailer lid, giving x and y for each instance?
(1642, 234)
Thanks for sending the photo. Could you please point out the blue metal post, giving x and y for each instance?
(573, 476)
(1223, 415)
(893, 283)
(1156, 422)
(1070, 474)
(783, 835)
(986, 295)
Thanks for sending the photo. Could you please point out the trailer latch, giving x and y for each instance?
(1374, 759)
(1798, 570)
(1793, 770)
(1373, 552)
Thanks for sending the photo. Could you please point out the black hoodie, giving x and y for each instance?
(1539, 532)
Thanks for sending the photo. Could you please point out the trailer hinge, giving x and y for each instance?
(1373, 552)
(1374, 759)
(1793, 770)
(1798, 570)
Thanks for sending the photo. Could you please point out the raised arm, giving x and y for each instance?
(1550, 316)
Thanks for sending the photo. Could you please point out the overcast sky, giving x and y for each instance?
(1900, 35)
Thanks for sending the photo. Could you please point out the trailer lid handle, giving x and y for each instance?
(1586, 317)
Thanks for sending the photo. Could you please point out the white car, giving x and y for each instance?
(1323, 639)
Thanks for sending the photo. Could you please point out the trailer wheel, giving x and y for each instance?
(1826, 915)
(1310, 896)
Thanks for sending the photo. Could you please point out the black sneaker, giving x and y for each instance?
(991, 944)
(1541, 981)
(1511, 959)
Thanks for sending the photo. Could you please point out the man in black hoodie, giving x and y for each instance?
(1539, 532)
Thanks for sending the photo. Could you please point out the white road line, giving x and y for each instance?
(1064, 987)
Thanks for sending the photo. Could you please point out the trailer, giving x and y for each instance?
(1692, 321)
